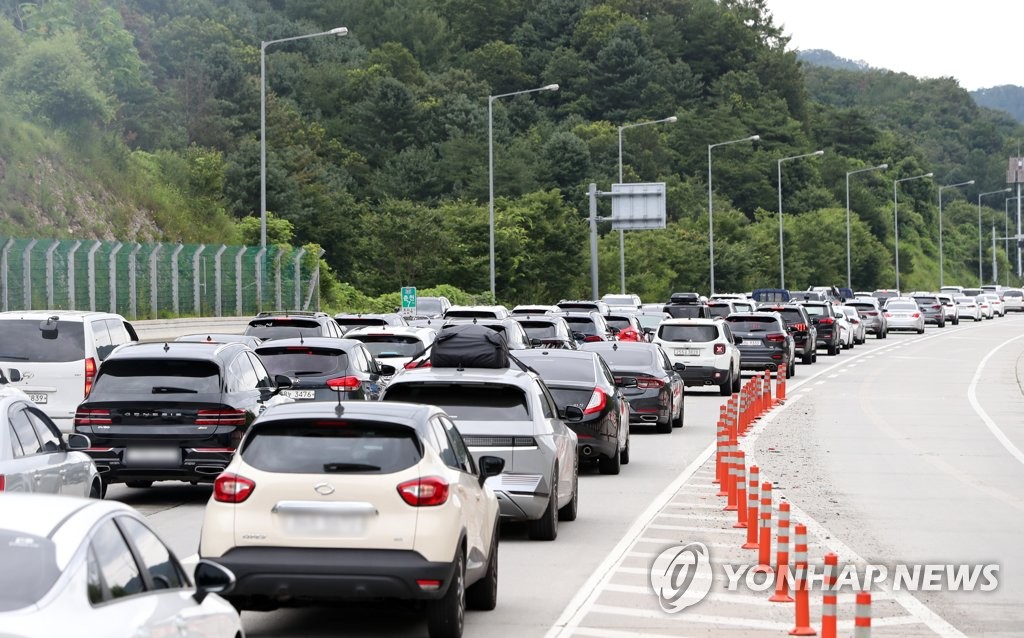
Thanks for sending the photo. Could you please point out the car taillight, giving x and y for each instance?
(871, 313)
(776, 338)
(648, 383)
(92, 416)
(597, 402)
(719, 348)
(90, 374)
(888, 315)
(936, 307)
(344, 384)
(220, 417)
(826, 321)
(3, 482)
(592, 338)
(412, 365)
(915, 315)
(232, 488)
(424, 492)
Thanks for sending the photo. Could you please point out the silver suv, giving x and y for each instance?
(510, 414)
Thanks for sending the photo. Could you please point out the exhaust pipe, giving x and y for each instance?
(587, 450)
(209, 469)
(649, 418)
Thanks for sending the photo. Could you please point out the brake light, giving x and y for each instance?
(220, 417)
(888, 315)
(871, 313)
(719, 348)
(936, 307)
(648, 383)
(3, 482)
(592, 338)
(597, 402)
(232, 488)
(90, 375)
(915, 315)
(776, 338)
(344, 384)
(800, 327)
(92, 416)
(412, 365)
(427, 491)
(826, 321)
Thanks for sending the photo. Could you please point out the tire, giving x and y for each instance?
(791, 369)
(483, 594)
(139, 484)
(447, 615)
(737, 382)
(942, 324)
(807, 358)
(814, 357)
(98, 489)
(833, 350)
(725, 389)
(920, 331)
(571, 509)
(624, 454)
(880, 335)
(677, 420)
(545, 528)
(611, 465)
(666, 427)
(956, 322)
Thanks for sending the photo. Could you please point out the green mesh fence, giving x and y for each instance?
(153, 280)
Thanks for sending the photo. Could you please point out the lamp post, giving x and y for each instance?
(880, 167)
(490, 164)
(622, 233)
(968, 183)
(338, 31)
(711, 210)
(980, 195)
(782, 261)
(1006, 233)
(896, 221)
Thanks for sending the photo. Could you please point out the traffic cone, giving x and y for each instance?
(829, 600)
(741, 492)
(753, 501)
(781, 594)
(862, 621)
(730, 504)
(803, 603)
(764, 542)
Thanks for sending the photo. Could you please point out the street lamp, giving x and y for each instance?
(711, 210)
(622, 233)
(338, 31)
(980, 195)
(896, 221)
(968, 183)
(1006, 233)
(880, 167)
(782, 262)
(490, 163)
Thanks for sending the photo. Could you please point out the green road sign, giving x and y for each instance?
(408, 300)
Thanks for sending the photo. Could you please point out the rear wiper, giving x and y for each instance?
(301, 373)
(350, 467)
(14, 357)
(163, 389)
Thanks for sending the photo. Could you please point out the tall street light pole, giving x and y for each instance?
(849, 261)
(941, 188)
(490, 165)
(980, 195)
(1006, 234)
(622, 233)
(338, 31)
(782, 261)
(711, 209)
(896, 220)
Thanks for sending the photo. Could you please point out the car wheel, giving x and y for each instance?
(677, 421)
(545, 528)
(624, 454)
(139, 484)
(807, 358)
(483, 594)
(956, 322)
(942, 324)
(833, 350)
(920, 331)
(814, 357)
(737, 382)
(609, 464)
(791, 369)
(98, 489)
(446, 616)
(725, 389)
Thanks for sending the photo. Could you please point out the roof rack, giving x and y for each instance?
(296, 313)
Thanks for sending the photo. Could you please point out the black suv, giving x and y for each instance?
(823, 317)
(173, 411)
(320, 368)
(799, 324)
(292, 323)
(764, 341)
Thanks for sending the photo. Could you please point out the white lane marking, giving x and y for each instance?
(972, 396)
(706, 619)
(831, 376)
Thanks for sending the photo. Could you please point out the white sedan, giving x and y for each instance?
(75, 566)
(968, 307)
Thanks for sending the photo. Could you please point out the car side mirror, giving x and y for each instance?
(536, 343)
(283, 381)
(77, 441)
(573, 413)
(14, 375)
(625, 382)
(489, 466)
(680, 367)
(735, 341)
(613, 330)
(211, 578)
(386, 369)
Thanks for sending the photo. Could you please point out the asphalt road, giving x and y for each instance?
(886, 450)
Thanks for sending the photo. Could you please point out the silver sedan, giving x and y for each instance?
(904, 315)
(856, 323)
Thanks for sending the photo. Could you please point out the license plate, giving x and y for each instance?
(310, 524)
(153, 456)
(38, 397)
(299, 394)
(687, 352)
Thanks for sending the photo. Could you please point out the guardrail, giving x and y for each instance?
(158, 329)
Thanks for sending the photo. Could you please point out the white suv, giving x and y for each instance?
(707, 349)
(58, 353)
(1013, 300)
(330, 502)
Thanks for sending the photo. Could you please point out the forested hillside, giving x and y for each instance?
(140, 119)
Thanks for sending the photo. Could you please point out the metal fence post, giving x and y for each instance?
(277, 276)
(49, 273)
(26, 262)
(217, 276)
(113, 275)
(238, 281)
(133, 282)
(3, 268)
(72, 305)
(260, 262)
(298, 278)
(197, 306)
(174, 277)
(91, 265)
(152, 281)
(314, 283)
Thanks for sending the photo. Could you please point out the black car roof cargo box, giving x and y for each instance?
(469, 346)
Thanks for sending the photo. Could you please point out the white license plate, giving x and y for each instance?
(299, 394)
(310, 524)
(153, 456)
(687, 352)
(38, 397)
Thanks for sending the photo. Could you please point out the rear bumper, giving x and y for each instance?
(704, 375)
(762, 359)
(195, 464)
(300, 575)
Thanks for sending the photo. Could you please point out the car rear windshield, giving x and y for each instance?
(300, 361)
(620, 323)
(685, 311)
(966, 300)
(332, 446)
(791, 315)
(283, 328)
(1013, 293)
(466, 402)
(816, 311)
(358, 322)
(152, 378)
(921, 299)
(719, 310)
(22, 340)
(30, 568)
(902, 305)
(385, 346)
(572, 369)
(582, 324)
(540, 329)
(862, 306)
(752, 324)
(622, 357)
(425, 306)
(670, 332)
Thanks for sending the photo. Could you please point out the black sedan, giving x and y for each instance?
(584, 380)
(322, 368)
(657, 398)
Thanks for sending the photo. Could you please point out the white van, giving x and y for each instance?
(58, 353)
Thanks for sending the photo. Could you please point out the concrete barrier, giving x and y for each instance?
(160, 329)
